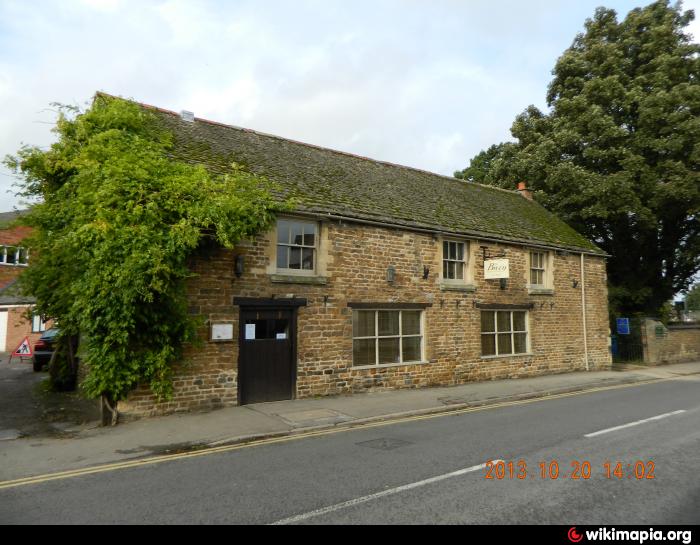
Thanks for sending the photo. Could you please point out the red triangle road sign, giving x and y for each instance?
(24, 349)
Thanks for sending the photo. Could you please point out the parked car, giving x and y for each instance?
(43, 349)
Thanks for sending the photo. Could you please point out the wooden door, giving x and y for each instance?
(266, 362)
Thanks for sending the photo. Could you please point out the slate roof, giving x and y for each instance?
(325, 181)
(7, 218)
(10, 294)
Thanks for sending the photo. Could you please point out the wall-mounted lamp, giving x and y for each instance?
(504, 283)
(574, 283)
(239, 265)
(426, 272)
(391, 274)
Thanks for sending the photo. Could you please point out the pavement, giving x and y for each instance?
(73, 446)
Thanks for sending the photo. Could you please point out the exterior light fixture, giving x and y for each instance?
(504, 283)
(391, 274)
(574, 283)
(426, 272)
(239, 265)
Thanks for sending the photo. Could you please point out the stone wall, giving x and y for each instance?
(673, 344)
(352, 267)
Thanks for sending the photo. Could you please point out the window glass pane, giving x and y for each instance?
(503, 321)
(307, 259)
(23, 256)
(294, 258)
(362, 323)
(309, 234)
(504, 344)
(459, 271)
(411, 349)
(282, 252)
(487, 321)
(363, 352)
(36, 323)
(518, 321)
(520, 340)
(410, 322)
(537, 277)
(445, 250)
(297, 233)
(388, 323)
(460, 251)
(389, 350)
(11, 254)
(444, 269)
(533, 277)
(283, 231)
(488, 345)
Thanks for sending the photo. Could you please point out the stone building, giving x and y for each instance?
(382, 277)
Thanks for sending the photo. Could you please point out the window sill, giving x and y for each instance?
(387, 365)
(540, 291)
(466, 288)
(502, 356)
(14, 265)
(298, 279)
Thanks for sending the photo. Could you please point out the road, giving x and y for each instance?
(423, 471)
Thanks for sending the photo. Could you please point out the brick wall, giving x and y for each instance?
(354, 259)
(19, 327)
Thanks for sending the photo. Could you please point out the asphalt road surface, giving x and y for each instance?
(423, 471)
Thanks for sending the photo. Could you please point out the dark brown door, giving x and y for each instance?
(266, 366)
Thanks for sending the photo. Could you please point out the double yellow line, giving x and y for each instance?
(207, 451)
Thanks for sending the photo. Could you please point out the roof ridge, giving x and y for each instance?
(314, 146)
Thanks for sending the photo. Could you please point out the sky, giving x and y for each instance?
(422, 83)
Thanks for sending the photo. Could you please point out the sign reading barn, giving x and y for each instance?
(496, 268)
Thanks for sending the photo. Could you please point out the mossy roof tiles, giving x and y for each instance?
(325, 181)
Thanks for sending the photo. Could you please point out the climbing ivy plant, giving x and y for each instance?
(117, 223)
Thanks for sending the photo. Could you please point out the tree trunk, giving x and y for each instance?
(108, 410)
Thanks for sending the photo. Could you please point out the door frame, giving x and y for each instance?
(253, 304)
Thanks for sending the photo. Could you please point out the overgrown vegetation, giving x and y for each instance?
(117, 222)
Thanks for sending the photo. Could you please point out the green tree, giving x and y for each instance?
(618, 152)
(484, 166)
(117, 223)
(692, 298)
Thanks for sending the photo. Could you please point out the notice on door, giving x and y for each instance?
(250, 332)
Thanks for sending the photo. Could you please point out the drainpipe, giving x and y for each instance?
(583, 313)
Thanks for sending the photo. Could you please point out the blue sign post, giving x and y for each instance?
(623, 326)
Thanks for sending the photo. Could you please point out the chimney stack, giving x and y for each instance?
(524, 191)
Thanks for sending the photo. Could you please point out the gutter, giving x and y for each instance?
(475, 235)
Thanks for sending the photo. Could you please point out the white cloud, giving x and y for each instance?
(423, 84)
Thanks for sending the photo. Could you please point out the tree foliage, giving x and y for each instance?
(618, 153)
(116, 226)
(692, 298)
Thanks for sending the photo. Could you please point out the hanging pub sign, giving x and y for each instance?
(496, 268)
